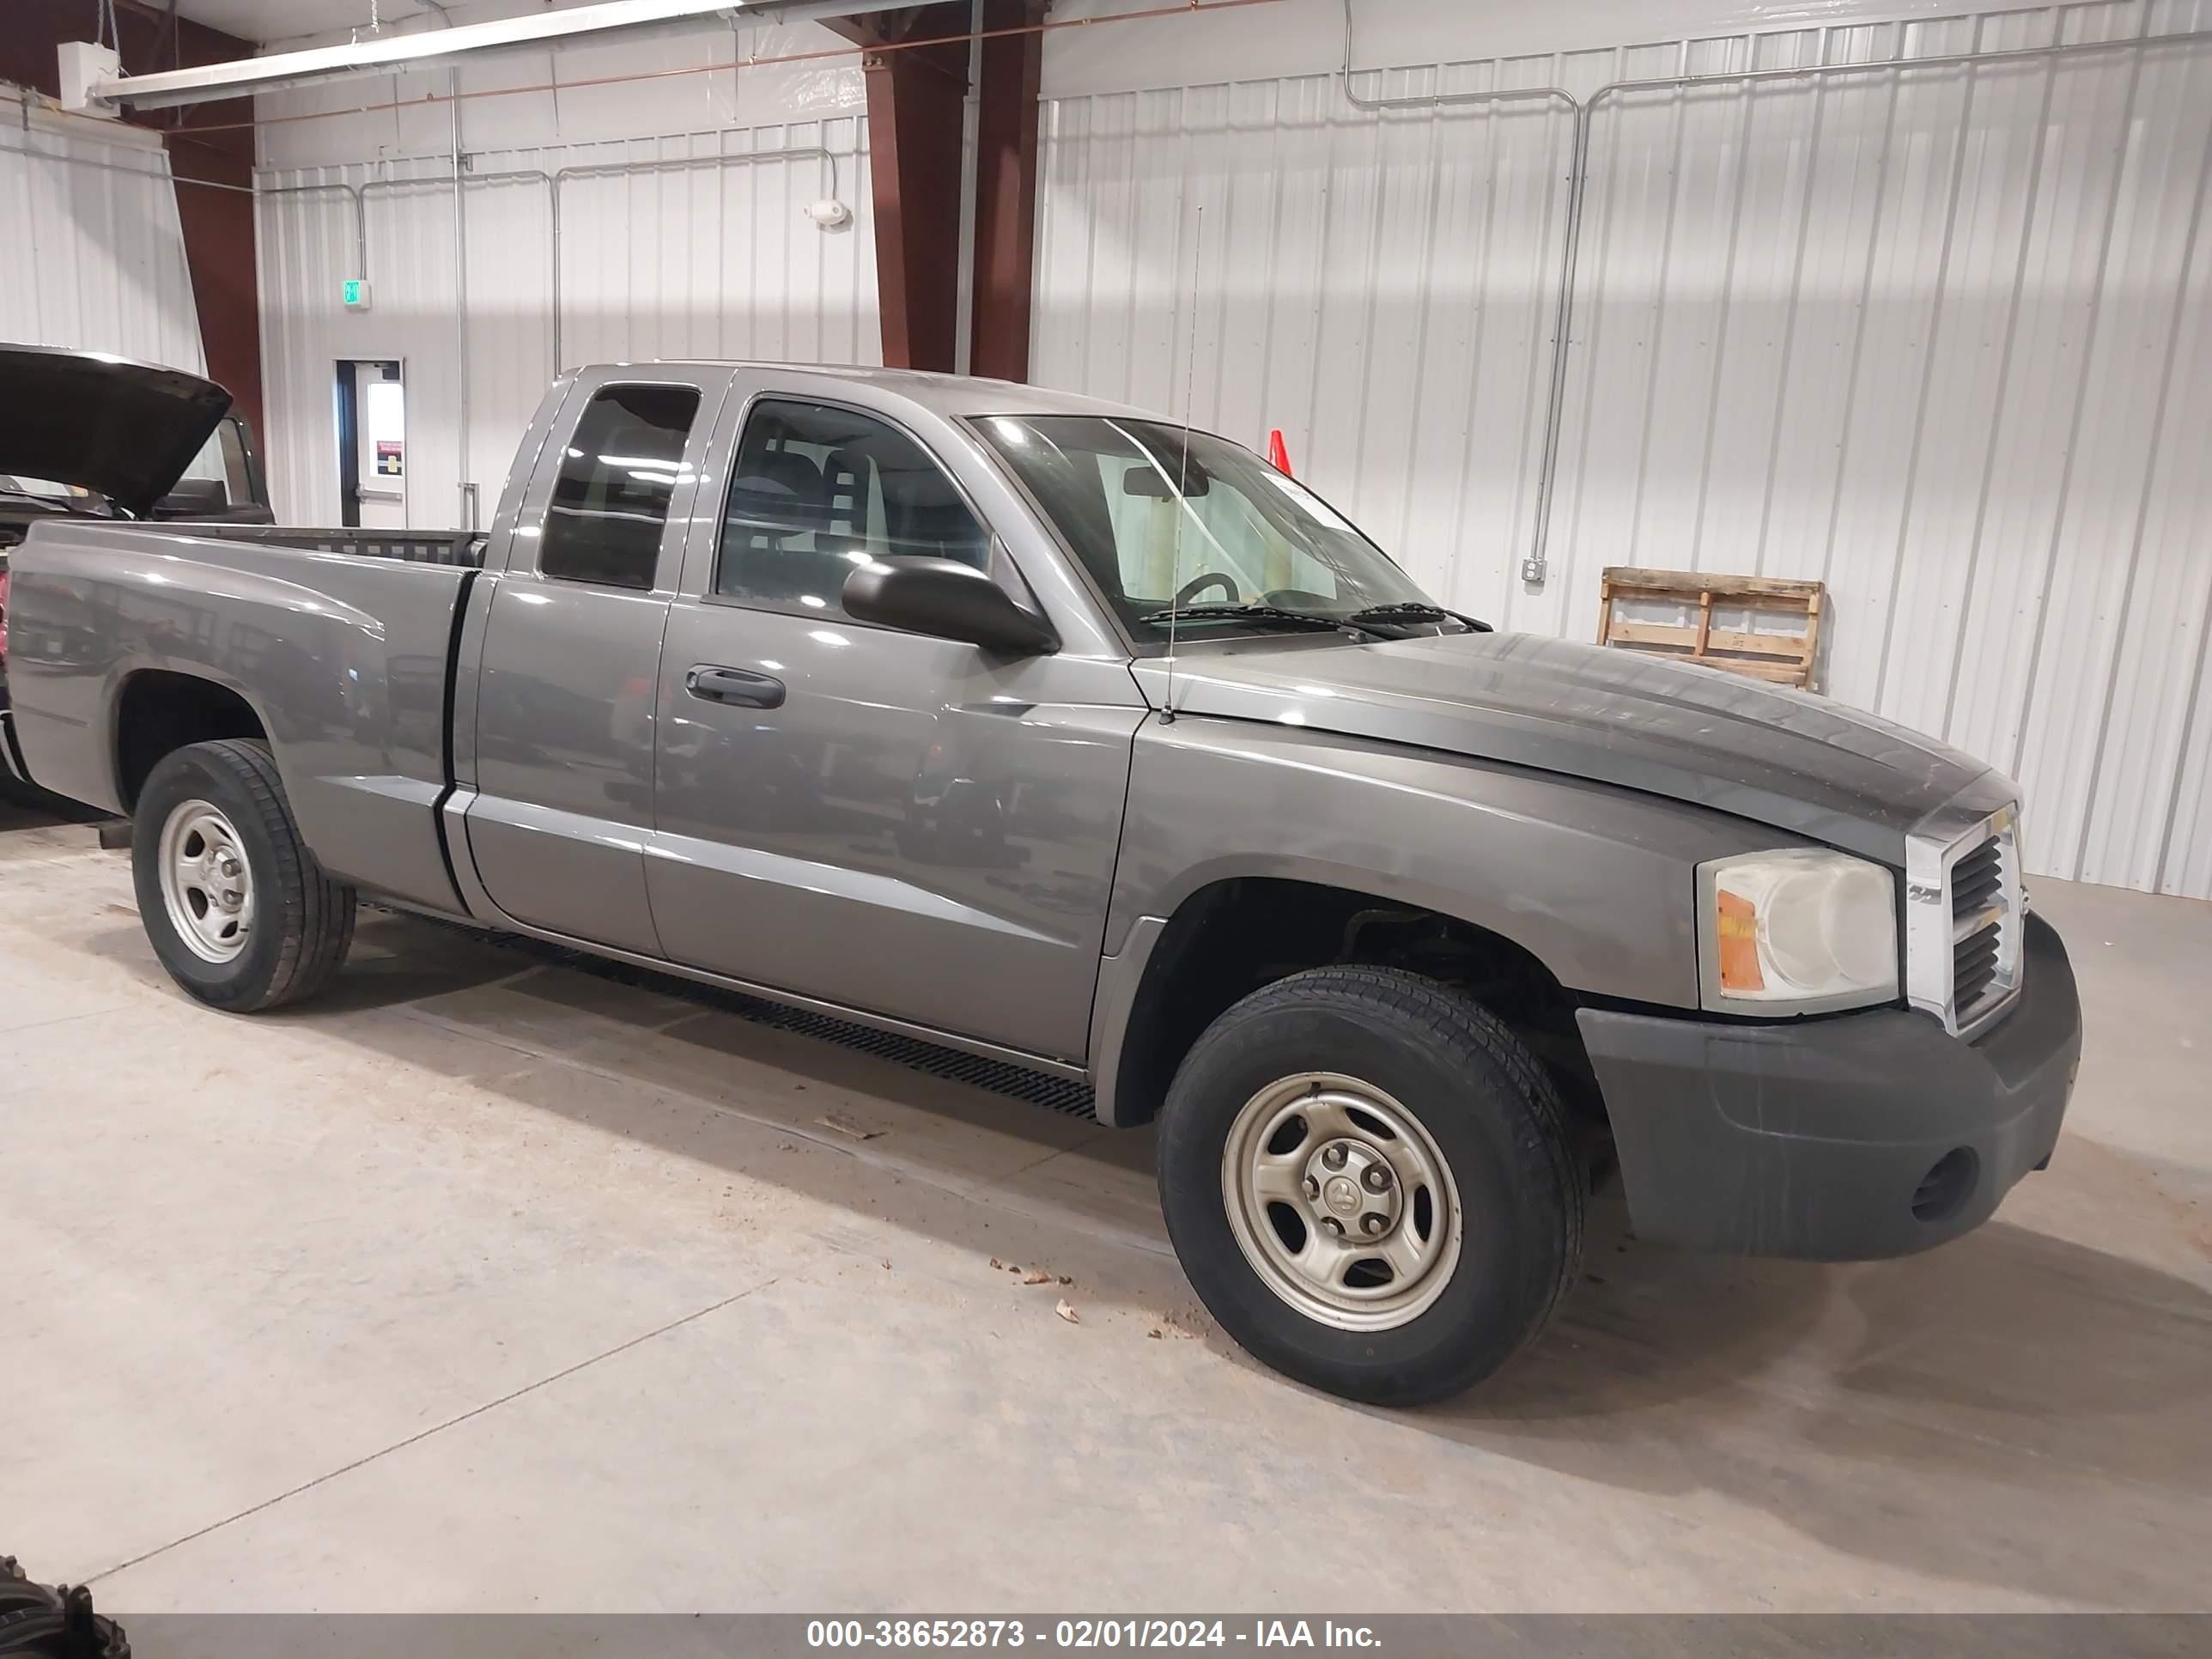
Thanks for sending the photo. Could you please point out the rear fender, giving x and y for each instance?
(343, 661)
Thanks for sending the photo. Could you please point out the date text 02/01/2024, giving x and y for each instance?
(1084, 1633)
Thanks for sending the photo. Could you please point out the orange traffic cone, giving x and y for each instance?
(1277, 456)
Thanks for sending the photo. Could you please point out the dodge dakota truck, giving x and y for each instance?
(1055, 731)
(163, 443)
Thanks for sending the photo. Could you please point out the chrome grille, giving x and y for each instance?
(1975, 879)
(1964, 922)
(1984, 928)
(1974, 970)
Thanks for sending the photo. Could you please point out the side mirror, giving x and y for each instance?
(947, 600)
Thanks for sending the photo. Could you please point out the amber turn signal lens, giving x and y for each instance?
(1737, 927)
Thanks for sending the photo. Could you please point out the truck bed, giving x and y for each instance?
(462, 548)
(339, 640)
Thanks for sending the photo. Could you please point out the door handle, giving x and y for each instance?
(713, 684)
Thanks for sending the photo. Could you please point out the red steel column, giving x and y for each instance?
(915, 105)
(915, 98)
(1005, 192)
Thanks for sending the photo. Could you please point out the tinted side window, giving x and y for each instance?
(816, 491)
(610, 497)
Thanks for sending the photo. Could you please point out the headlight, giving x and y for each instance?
(1796, 932)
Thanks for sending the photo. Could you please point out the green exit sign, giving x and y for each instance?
(354, 292)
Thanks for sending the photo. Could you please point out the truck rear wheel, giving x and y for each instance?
(236, 906)
(1368, 1179)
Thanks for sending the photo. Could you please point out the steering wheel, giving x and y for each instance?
(1199, 584)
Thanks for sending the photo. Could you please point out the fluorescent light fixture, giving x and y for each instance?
(382, 55)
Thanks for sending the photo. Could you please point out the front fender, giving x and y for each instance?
(1596, 883)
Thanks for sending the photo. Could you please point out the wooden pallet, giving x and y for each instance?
(1787, 655)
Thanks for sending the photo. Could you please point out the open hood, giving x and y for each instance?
(128, 430)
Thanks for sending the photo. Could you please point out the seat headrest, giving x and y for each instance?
(781, 472)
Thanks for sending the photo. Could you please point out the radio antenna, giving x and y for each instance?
(1182, 463)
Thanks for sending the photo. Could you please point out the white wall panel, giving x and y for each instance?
(95, 259)
(699, 248)
(1935, 335)
(1277, 38)
(1378, 289)
(1973, 349)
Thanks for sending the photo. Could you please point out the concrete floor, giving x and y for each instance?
(487, 1285)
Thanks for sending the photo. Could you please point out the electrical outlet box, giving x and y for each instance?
(83, 66)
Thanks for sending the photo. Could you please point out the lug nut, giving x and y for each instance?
(1334, 1156)
(1377, 1177)
(1372, 1224)
(1332, 1226)
(1310, 1187)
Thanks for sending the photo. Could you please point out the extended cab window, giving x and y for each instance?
(610, 497)
(816, 491)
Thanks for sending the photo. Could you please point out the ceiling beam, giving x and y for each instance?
(382, 54)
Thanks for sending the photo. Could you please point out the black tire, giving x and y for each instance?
(40, 1623)
(302, 918)
(1492, 1113)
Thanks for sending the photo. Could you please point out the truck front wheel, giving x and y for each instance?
(1368, 1179)
(234, 903)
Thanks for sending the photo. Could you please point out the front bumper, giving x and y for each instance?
(1864, 1135)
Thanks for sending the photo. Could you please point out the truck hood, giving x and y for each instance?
(1768, 753)
(127, 430)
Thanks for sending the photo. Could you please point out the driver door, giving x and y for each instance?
(904, 825)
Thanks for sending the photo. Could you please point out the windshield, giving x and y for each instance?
(45, 488)
(44, 495)
(1158, 527)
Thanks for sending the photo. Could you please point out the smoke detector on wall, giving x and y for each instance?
(829, 213)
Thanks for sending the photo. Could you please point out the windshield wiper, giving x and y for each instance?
(1259, 613)
(64, 505)
(1416, 611)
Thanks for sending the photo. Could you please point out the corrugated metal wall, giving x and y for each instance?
(95, 257)
(1381, 290)
(1938, 336)
(699, 248)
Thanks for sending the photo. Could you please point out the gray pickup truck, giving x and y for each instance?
(162, 444)
(1048, 730)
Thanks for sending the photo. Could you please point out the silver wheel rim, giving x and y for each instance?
(207, 884)
(1342, 1202)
